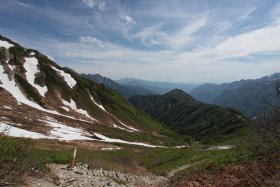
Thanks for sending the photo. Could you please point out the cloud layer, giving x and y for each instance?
(183, 41)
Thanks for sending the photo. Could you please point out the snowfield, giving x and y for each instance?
(11, 87)
(112, 140)
(73, 105)
(5, 44)
(67, 77)
(63, 132)
(31, 67)
(17, 132)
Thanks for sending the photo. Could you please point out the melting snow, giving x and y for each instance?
(99, 105)
(67, 77)
(5, 44)
(116, 126)
(11, 87)
(112, 140)
(17, 132)
(64, 132)
(73, 105)
(7, 107)
(110, 148)
(65, 108)
(31, 67)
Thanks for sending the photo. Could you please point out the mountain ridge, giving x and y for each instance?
(190, 117)
(66, 106)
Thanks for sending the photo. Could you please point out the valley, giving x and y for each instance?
(47, 111)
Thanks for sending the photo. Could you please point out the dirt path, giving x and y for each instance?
(181, 168)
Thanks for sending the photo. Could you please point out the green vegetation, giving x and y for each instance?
(23, 156)
(18, 157)
(206, 123)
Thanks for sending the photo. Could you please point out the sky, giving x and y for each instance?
(186, 41)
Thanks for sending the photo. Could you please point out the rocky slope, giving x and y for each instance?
(187, 116)
(41, 100)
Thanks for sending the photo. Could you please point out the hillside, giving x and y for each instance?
(125, 90)
(158, 87)
(41, 100)
(248, 96)
(208, 92)
(189, 117)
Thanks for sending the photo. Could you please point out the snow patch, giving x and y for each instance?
(64, 132)
(222, 147)
(99, 105)
(118, 127)
(11, 87)
(5, 44)
(112, 140)
(65, 108)
(32, 53)
(110, 148)
(67, 77)
(73, 105)
(129, 128)
(31, 67)
(17, 132)
(7, 107)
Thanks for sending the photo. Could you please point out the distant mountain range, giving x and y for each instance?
(158, 87)
(187, 116)
(128, 87)
(249, 96)
(125, 90)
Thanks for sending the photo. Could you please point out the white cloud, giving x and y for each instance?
(89, 3)
(91, 40)
(258, 41)
(128, 19)
(175, 40)
(102, 5)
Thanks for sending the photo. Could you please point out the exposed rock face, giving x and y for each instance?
(83, 176)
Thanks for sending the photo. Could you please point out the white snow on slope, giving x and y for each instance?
(11, 87)
(17, 132)
(65, 108)
(110, 148)
(118, 127)
(99, 105)
(73, 105)
(112, 140)
(63, 132)
(129, 128)
(7, 107)
(67, 77)
(5, 44)
(31, 67)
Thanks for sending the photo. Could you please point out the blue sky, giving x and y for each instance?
(191, 41)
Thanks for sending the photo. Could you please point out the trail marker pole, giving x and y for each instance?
(74, 158)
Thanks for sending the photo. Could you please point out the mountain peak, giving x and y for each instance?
(179, 95)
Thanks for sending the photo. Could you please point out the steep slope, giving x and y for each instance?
(125, 91)
(39, 99)
(159, 87)
(248, 96)
(187, 116)
(208, 92)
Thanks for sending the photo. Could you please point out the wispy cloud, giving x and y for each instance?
(193, 41)
(91, 40)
